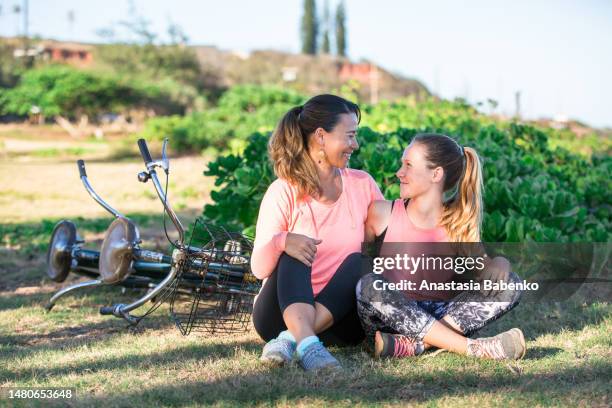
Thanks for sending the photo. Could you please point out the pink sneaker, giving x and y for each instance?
(396, 345)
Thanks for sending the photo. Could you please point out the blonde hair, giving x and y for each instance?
(462, 214)
(288, 146)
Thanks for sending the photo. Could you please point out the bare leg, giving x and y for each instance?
(443, 337)
(300, 319)
(323, 318)
(451, 324)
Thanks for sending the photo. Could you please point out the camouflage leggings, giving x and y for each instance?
(391, 311)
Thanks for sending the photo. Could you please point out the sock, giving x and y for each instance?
(307, 341)
(420, 348)
(286, 335)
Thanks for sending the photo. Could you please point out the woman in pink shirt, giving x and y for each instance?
(441, 202)
(309, 234)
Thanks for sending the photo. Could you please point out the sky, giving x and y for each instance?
(556, 53)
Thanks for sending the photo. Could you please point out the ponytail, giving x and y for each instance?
(289, 154)
(462, 214)
(462, 217)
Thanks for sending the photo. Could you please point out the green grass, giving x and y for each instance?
(568, 363)
(52, 152)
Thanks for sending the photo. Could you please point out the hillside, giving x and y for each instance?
(306, 73)
(223, 68)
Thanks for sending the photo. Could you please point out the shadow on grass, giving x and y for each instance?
(28, 339)
(160, 359)
(537, 353)
(359, 384)
(75, 335)
(92, 296)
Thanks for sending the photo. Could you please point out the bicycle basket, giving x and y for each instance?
(214, 288)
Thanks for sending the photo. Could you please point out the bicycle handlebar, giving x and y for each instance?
(144, 151)
(92, 193)
(107, 310)
(81, 166)
(150, 164)
(119, 311)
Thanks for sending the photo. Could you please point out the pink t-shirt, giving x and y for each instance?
(401, 228)
(403, 237)
(340, 225)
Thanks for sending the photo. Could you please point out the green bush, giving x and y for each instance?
(241, 111)
(532, 192)
(66, 91)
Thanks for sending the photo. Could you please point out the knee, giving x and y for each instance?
(355, 265)
(286, 261)
(510, 296)
(355, 257)
(365, 287)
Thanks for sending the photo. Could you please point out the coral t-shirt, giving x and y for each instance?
(339, 225)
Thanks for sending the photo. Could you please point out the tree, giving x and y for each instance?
(10, 67)
(341, 30)
(140, 52)
(310, 28)
(325, 46)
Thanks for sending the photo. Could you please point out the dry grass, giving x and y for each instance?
(35, 187)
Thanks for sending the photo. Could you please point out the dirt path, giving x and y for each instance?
(30, 191)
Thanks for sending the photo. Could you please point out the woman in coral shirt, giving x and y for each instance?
(309, 234)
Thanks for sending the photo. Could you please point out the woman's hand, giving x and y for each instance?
(497, 269)
(301, 247)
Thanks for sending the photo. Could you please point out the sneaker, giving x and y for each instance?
(317, 357)
(395, 345)
(277, 352)
(509, 345)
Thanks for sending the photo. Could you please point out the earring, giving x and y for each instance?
(321, 155)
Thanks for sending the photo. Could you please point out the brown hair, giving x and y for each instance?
(462, 216)
(288, 146)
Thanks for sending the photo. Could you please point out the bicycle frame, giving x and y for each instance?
(210, 273)
(150, 265)
(178, 254)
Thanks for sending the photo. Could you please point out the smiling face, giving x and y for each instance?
(340, 142)
(415, 174)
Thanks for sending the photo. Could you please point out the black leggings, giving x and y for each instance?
(290, 283)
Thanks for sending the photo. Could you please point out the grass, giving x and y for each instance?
(51, 152)
(568, 363)
(109, 365)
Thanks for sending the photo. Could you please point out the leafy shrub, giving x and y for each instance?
(241, 111)
(66, 91)
(532, 192)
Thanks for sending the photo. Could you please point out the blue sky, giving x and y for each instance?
(558, 54)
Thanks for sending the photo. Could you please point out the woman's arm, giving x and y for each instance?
(379, 214)
(271, 230)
